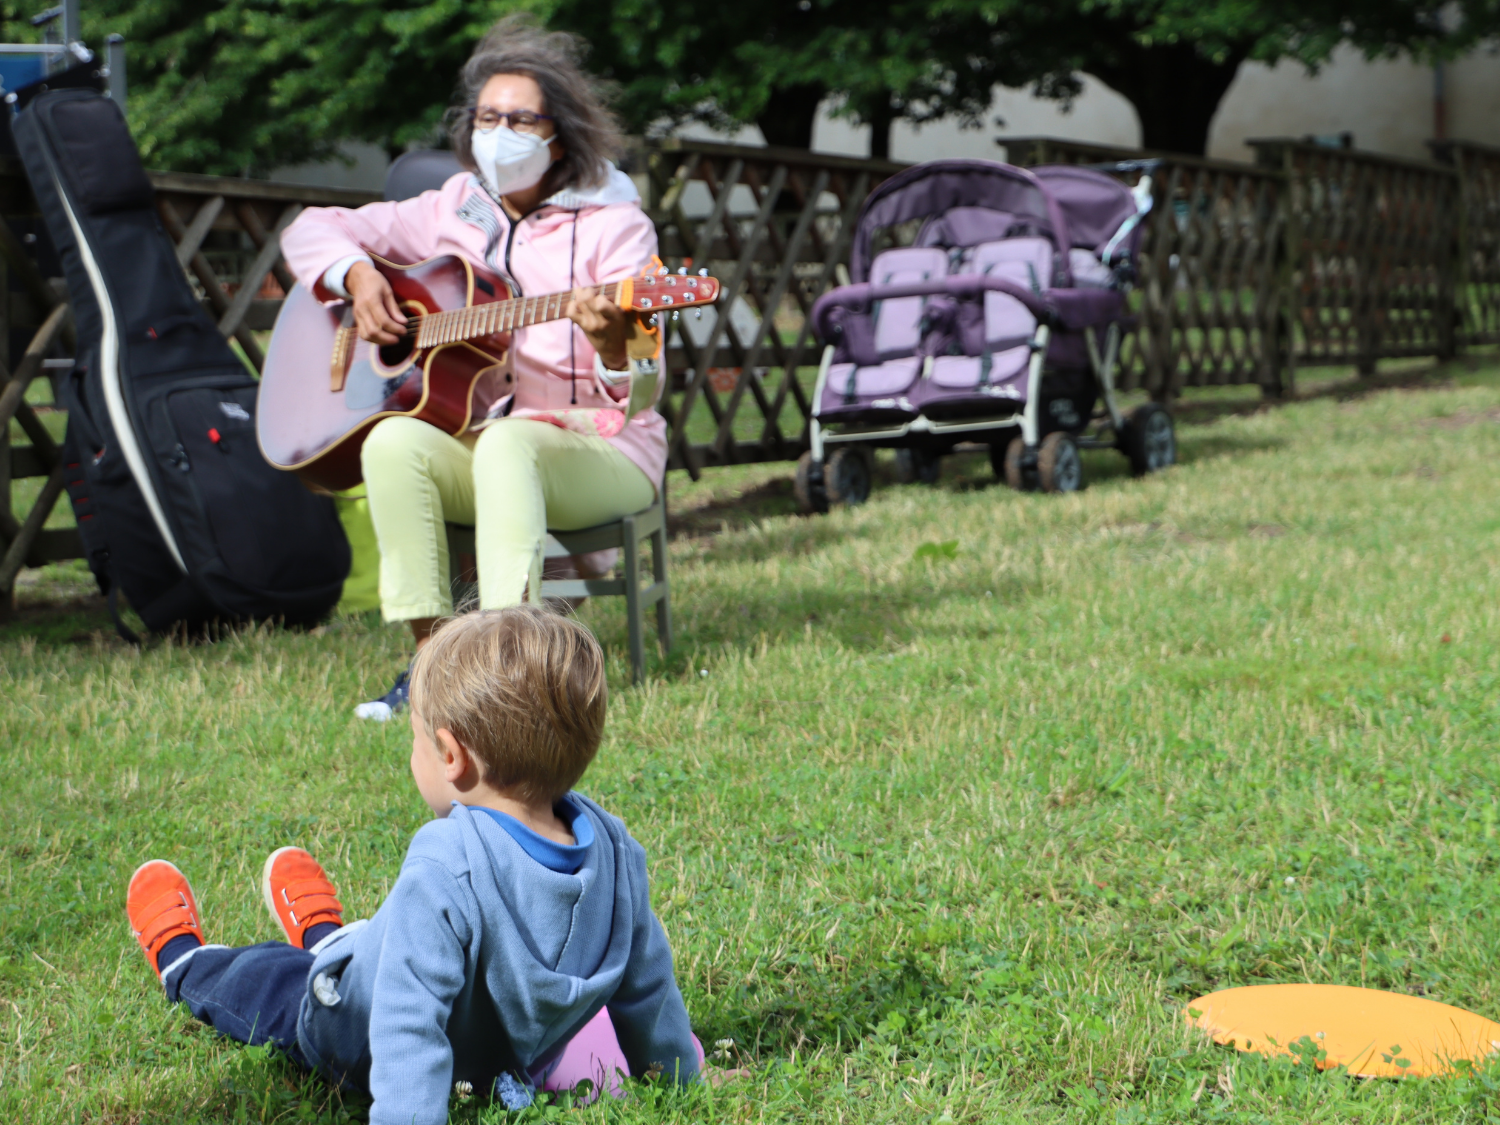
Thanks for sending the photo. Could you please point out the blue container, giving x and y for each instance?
(17, 70)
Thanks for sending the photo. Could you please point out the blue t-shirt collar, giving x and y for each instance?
(565, 858)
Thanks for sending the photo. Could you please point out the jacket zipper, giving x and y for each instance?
(510, 237)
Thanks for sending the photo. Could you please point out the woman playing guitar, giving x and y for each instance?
(544, 208)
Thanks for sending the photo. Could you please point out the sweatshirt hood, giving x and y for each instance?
(616, 188)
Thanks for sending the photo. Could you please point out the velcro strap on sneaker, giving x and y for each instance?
(312, 906)
(292, 892)
(168, 901)
(174, 918)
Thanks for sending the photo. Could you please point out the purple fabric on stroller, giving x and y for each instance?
(895, 327)
(898, 321)
(941, 186)
(994, 256)
(965, 227)
(996, 334)
(1006, 376)
(870, 394)
(850, 381)
(1096, 205)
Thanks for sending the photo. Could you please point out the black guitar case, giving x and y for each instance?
(176, 506)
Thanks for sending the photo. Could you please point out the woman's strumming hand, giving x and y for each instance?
(603, 322)
(377, 317)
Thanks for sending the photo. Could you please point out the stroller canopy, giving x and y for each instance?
(1095, 205)
(939, 186)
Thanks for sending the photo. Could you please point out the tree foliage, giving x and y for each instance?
(771, 63)
(237, 86)
(242, 86)
(1175, 59)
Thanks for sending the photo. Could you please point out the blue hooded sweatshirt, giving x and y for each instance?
(484, 962)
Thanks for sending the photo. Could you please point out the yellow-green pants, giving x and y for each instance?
(511, 482)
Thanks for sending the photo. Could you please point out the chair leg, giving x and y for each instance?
(659, 574)
(630, 548)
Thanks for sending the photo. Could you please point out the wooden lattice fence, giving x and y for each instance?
(1478, 260)
(1371, 242)
(1209, 298)
(774, 225)
(1309, 256)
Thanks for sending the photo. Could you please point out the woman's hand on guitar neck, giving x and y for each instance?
(603, 322)
(377, 317)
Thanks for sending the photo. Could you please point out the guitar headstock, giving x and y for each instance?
(662, 289)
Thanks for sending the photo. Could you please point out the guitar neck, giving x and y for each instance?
(475, 321)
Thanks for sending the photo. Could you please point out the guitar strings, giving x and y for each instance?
(498, 313)
(472, 321)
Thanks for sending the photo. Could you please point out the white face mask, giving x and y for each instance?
(510, 161)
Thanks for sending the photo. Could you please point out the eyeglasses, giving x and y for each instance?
(487, 120)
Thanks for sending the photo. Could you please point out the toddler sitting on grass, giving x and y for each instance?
(519, 914)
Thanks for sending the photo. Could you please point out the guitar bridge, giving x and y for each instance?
(338, 366)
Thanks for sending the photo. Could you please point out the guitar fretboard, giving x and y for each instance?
(469, 323)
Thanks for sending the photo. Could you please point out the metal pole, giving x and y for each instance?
(115, 64)
(72, 28)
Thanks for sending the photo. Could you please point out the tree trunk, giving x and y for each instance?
(788, 118)
(881, 118)
(1175, 90)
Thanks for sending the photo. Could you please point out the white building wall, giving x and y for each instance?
(1386, 104)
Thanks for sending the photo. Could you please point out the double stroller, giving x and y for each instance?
(986, 304)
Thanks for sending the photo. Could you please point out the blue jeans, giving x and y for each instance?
(252, 993)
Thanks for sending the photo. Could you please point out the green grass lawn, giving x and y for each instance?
(934, 839)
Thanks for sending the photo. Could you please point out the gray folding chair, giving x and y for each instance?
(626, 535)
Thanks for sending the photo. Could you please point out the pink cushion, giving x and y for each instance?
(889, 378)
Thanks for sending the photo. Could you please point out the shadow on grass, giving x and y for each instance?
(1207, 446)
(733, 513)
(814, 1006)
(855, 619)
(1352, 388)
(81, 620)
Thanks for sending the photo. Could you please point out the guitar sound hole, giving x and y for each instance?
(394, 355)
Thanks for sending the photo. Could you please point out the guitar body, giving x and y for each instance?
(310, 422)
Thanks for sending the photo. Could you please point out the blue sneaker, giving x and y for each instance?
(388, 704)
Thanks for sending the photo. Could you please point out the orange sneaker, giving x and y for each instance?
(298, 893)
(160, 906)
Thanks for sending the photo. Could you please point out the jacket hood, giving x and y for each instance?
(526, 936)
(616, 188)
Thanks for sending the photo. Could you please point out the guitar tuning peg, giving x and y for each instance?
(682, 271)
(697, 314)
(675, 315)
(703, 272)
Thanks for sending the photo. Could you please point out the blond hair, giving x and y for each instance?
(523, 689)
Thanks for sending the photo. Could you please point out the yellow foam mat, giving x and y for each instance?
(1373, 1034)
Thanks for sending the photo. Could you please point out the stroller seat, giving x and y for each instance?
(880, 349)
(995, 334)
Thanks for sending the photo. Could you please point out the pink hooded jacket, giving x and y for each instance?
(575, 238)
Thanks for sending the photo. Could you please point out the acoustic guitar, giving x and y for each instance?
(323, 388)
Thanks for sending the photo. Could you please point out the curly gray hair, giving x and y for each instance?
(575, 101)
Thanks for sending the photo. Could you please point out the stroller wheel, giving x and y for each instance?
(847, 477)
(808, 485)
(1150, 439)
(1014, 469)
(1058, 466)
(913, 465)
